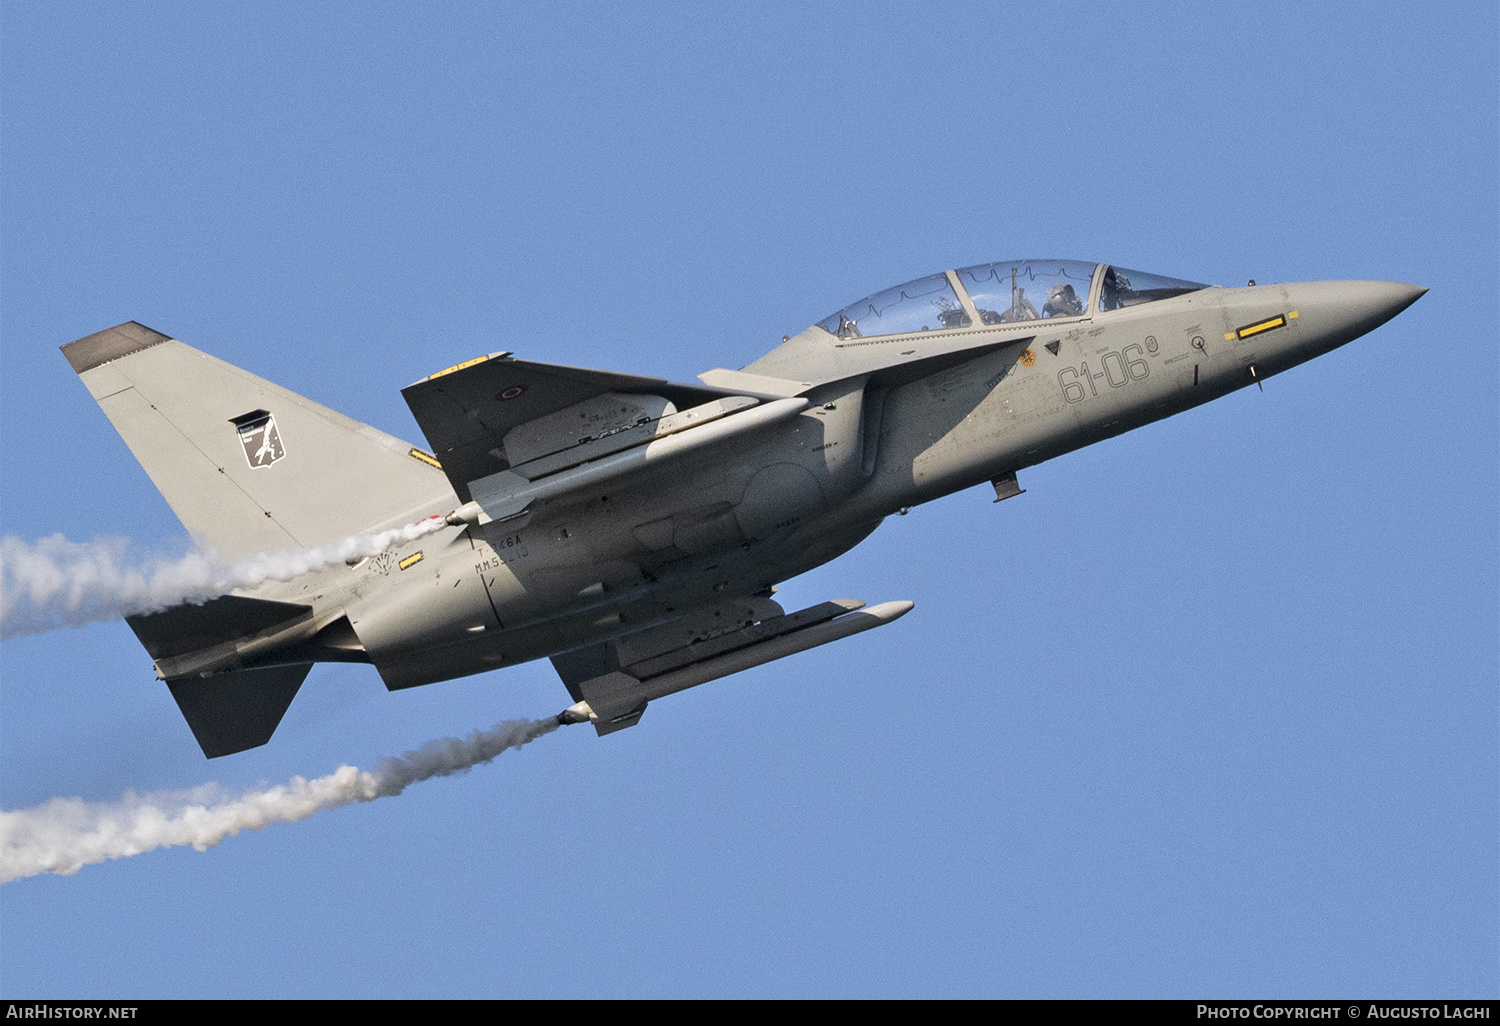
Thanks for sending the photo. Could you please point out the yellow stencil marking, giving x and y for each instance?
(1292, 315)
(1269, 324)
(1228, 336)
(411, 560)
(1027, 358)
(418, 454)
(458, 367)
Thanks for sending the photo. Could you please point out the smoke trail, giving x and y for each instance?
(58, 583)
(66, 834)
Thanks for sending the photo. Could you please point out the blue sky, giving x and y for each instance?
(1211, 710)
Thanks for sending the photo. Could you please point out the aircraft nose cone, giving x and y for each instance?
(1382, 300)
(1345, 310)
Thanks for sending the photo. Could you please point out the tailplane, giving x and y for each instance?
(230, 712)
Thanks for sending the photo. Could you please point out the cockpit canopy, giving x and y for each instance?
(926, 304)
(1001, 293)
(1121, 288)
(1008, 292)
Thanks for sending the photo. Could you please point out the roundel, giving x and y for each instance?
(513, 392)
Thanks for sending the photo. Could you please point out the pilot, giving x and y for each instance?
(1062, 301)
(847, 328)
(1109, 295)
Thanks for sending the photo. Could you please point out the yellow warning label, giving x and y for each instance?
(411, 560)
(427, 458)
(1270, 324)
(1027, 358)
(458, 367)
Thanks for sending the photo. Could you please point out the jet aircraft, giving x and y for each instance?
(634, 529)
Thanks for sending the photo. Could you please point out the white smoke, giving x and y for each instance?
(66, 834)
(58, 583)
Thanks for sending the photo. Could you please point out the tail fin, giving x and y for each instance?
(246, 465)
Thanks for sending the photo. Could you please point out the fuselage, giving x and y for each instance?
(892, 421)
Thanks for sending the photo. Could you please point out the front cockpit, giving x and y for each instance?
(1119, 288)
(1001, 293)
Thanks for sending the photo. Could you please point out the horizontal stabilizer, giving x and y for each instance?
(234, 711)
(189, 627)
(468, 411)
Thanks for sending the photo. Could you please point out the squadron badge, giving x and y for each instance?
(261, 440)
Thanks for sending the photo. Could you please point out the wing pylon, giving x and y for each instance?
(614, 681)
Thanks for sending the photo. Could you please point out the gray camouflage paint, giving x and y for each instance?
(890, 422)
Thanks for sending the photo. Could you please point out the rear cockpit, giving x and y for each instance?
(927, 304)
(1008, 292)
(1028, 290)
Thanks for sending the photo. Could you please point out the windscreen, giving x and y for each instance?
(1124, 288)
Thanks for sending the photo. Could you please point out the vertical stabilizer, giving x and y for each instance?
(246, 465)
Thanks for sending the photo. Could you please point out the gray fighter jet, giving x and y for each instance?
(634, 529)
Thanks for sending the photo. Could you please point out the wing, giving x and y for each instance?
(470, 413)
(511, 434)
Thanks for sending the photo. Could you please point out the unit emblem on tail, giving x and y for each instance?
(258, 434)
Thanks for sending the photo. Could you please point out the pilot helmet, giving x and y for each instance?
(1061, 299)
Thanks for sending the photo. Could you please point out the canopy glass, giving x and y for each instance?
(927, 304)
(1124, 288)
(1028, 290)
(1007, 292)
